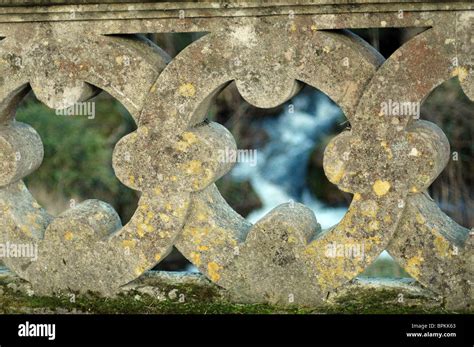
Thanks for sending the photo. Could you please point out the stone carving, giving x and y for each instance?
(85, 248)
(174, 157)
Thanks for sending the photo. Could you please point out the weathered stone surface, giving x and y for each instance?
(21, 152)
(76, 250)
(387, 161)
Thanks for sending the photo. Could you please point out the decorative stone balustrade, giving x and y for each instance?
(68, 53)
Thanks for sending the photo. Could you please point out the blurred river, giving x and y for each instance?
(279, 175)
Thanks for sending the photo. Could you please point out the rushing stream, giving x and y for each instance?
(279, 175)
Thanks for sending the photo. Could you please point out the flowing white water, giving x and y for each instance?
(279, 175)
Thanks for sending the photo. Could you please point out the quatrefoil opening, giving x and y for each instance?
(86, 247)
(215, 238)
(172, 158)
(430, 246)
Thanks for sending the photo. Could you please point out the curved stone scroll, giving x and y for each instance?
(86, 247)
(175, 156)
(430, 246)
(285, 257)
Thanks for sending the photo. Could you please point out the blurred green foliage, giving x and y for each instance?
(78, 152)
(384, 267)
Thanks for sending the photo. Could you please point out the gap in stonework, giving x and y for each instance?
(78, 149)
(280, 151)
(449, 108)
(171, 43)
(387, 40)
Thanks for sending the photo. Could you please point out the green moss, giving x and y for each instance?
(14, 302)
(382, 301)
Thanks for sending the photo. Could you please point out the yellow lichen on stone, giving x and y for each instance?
(413, 265)
(346, 222)
(187, 90)
(373, 239)
(203, 248)
(128, 243)
(373, 225)
(139, 270)
(32, 220)
(143, 130)
(357, 197)
(329, 271)
(164, 217)
(181, 146)
(420, 219)
(193, 234)
(26, 230)
(195, 258)
(335, 171)
(189, 137)
(145, 225)
(68, 235)
(141, 230)
(369, 208)
(193, 167)
(387, 149)
(201, 216)
(213, 271)
(442, 246)
(157, 257)
(425, 179)
(461, 72)
(381, 187)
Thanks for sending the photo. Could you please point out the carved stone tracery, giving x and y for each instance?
(173, 158)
